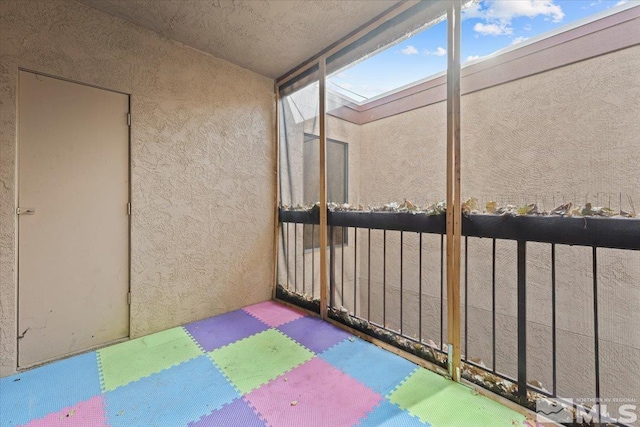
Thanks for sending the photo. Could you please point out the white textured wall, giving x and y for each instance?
(202, 162)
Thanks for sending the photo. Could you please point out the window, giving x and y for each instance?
(337, 181)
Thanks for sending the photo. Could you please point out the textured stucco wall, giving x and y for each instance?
(201, 157)
(567, 133)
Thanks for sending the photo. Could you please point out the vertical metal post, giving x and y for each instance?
(466, 298)
(332, 267)
(355, 269)
(441, 291)
(522, 320)
(384, 278)
(420, 291)
(553, 321)
(276, 220)
(295, 257)
(493, 305)
(313, 262)
(401, 277)
(342, 267)
(324, 288)
(304, 262)
(596, 338)
(369, 278)
(454, 212)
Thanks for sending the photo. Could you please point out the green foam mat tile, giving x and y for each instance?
(443, 403)
(129, 361)
(256, 360)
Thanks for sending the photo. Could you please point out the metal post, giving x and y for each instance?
(522, 320)
(276, 225)
(324, 288)
(332, 267)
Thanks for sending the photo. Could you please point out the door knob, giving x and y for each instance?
(25, 211)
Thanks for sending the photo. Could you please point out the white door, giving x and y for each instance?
(73, 222)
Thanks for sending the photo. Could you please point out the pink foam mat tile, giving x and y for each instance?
(88, 413)
(273, 314)
(313, 394)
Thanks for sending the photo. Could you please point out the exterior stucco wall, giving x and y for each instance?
(565, 134)
(202, 162)
(568, 133)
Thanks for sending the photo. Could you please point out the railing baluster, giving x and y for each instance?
(553, 319)
(441, 291)
(369, 279)
(355, 267)
(596, 330)
(332, 268)
(304, 263)
(420, 291)
(466, 297)
(401, 277)
(295, 257)
(287, 255)
(522, 320)
(493, 304)
(384, 278)
(342, 268)
(313, 261)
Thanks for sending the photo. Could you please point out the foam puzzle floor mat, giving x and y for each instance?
(264, 365)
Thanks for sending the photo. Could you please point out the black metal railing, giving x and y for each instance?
(594, 232)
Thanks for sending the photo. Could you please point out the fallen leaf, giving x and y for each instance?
(294, 402)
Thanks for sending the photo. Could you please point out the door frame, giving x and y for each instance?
(17, 228)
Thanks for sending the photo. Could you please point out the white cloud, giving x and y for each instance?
(527, 27)
(621, 2)
(472, 57)
(440, 51)
(492, 29)
(506, 10)
(409, 50)
(518, 40)
(498, 14)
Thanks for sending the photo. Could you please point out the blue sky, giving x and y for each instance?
(487, 27)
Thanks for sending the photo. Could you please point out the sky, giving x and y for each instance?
(487, 26)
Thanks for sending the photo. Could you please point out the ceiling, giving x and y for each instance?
(269, 37)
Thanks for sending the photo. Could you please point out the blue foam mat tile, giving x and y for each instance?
(376, 368)
(173, 397)
(50, 388)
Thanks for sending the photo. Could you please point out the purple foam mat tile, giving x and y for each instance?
(216, 332)
(315, 334)
(235, 414)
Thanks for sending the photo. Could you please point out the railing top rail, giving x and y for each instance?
(602, 232)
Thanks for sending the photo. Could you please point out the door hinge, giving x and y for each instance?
(129, 208)
(129, 298)
(128, 119)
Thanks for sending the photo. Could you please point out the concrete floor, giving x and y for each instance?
(264, 365)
